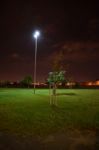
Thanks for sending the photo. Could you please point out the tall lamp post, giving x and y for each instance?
(36, 35)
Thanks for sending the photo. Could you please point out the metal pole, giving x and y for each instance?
(35, 64)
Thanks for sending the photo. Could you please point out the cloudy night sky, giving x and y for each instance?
(70, 26)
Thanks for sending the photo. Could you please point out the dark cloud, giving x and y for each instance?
(80, 51)
(70, 26)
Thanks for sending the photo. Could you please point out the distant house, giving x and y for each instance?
(90, 83)
(87, 83)
(93, 83)
(96, 83)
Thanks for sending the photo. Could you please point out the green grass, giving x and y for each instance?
(22, 112)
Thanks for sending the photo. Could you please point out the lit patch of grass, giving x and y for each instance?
(22, 112)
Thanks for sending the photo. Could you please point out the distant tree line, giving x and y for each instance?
(25, 82)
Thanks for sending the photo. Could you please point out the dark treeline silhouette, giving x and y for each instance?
(21, 84)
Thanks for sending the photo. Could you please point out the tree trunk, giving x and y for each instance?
(50, 94)
(54, 96)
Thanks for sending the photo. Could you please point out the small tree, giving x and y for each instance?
(27, 81)
(6, 83)
(57, 75)
(54, 79)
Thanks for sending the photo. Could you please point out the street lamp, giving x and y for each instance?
(36, 35)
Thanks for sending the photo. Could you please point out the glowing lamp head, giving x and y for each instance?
(36, 34)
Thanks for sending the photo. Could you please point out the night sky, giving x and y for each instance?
(70, 26)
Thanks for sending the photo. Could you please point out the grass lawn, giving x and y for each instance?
(22, 112)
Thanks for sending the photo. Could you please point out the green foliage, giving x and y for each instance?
(56, 77)
(58, 74)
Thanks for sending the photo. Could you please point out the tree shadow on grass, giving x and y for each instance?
(70, 94)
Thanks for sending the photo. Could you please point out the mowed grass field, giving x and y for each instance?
(22, 112)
